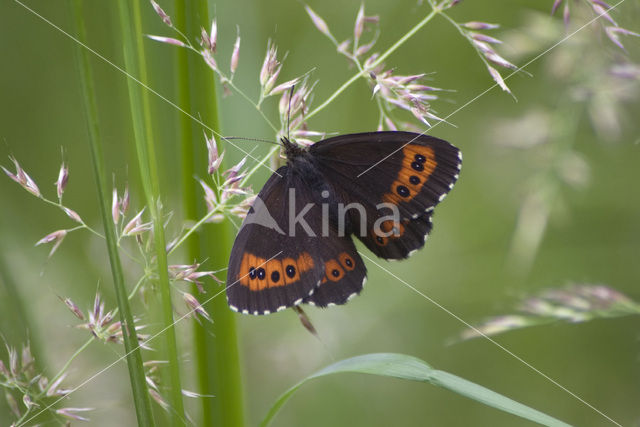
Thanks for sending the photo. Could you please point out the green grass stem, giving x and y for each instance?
(133, 356)
(217, 364)
(134, 56)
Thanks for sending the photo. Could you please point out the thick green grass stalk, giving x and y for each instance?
(218, 369)
(133, 356)
(132, 39)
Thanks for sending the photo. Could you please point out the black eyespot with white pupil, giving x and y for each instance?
(420, 158)
(261, 273)
(335, 272)
(414, 180)
(417, 166)
(380, 239)
(275, 276)
(348, 262)
(291, 271)
(252, 273)
(403, 191)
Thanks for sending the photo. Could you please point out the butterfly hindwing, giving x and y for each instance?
(409, 172)
(344, 275)
(399, 241)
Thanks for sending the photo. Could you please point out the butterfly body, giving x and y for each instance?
(295, 245)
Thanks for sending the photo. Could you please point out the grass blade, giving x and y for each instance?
(134, 57)
(411, 368)
(133, 356)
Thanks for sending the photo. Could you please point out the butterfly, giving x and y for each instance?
(296, 243)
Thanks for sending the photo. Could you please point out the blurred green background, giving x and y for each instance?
(593, 233)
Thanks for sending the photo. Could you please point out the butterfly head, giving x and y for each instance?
(291, 150)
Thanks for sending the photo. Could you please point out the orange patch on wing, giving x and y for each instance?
(243, 274)
(390, 230)
(346, 261)
(275, 275)
(273, 272)
(255, 263)
(333, 270)
(305, 262)
(380, 240)
(290, 262)
(392, 227)
(402, 188)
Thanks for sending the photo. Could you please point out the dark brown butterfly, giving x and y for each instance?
(295, 245)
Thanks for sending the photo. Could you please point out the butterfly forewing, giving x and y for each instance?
(383, 170)
(262, 249)
(278, 261)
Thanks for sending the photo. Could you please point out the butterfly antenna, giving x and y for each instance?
(226, 138)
